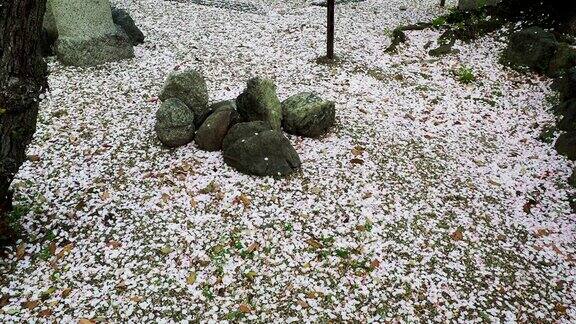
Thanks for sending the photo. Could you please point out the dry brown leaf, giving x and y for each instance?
(244, 308)
(33, 158)
(560, 308)
(191, 279)
(114, 244)
(375, 264)
(253, 247)
(136, 299)
(105, 195)
(52, 248)
(244, 200)
(357, 150)
(85, 321)
(65, 250)
(31, 304)
(542, 232)
(314, 244)
(303, 304)
(4, 300)
(457, 235)
(357, 161)
(45, 312)
(66, 292)
(20, 251)
(121, 285)
(165, 198)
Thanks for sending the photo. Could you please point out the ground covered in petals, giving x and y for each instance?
(430, 199)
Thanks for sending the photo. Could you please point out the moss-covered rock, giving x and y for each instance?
(86, 33)
(532, 48)
(190, 87)
(566, 145)
(566, 84)
(267, 153)
(567, 110)
(210, 135)
(564, 59)
(93, 51)
(306, 114)
(260, 102)
(242, 131)
(122, 19)
(572, 179)
(174, 123)
(220, 105)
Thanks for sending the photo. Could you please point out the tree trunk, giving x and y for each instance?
(23, 77)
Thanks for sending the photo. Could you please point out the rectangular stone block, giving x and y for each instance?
(82, 18)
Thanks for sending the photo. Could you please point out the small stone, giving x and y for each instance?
(174, 123)
(308, 115)
(190, 87)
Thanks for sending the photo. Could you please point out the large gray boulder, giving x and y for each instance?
(306, 114)
(210, 135)
(122, 18)
(242, 131)
(532, 48)
(267, 153)
(86, 34)
(567, 110)
(260, 102)
(190, 87)
(566, 145)
(174, 123)
(566, 84)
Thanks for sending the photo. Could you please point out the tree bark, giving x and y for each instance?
(330, 30)
(23, 77)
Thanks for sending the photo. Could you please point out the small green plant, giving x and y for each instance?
(439, 21)
(466, 75)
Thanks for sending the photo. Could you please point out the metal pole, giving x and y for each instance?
(330, 34)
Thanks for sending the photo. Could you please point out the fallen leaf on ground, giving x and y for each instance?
(66, 292)
(20, 251)
(191, 279)
(31, 304)
(314, 244)
(45, 312)
(244, 308)
(457, 235)
(114, 244)
(253, 247)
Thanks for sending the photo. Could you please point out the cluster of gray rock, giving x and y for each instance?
(247, 129)
(539, 50)
(87, 33)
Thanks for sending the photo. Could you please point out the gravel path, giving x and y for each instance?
(430, 200)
